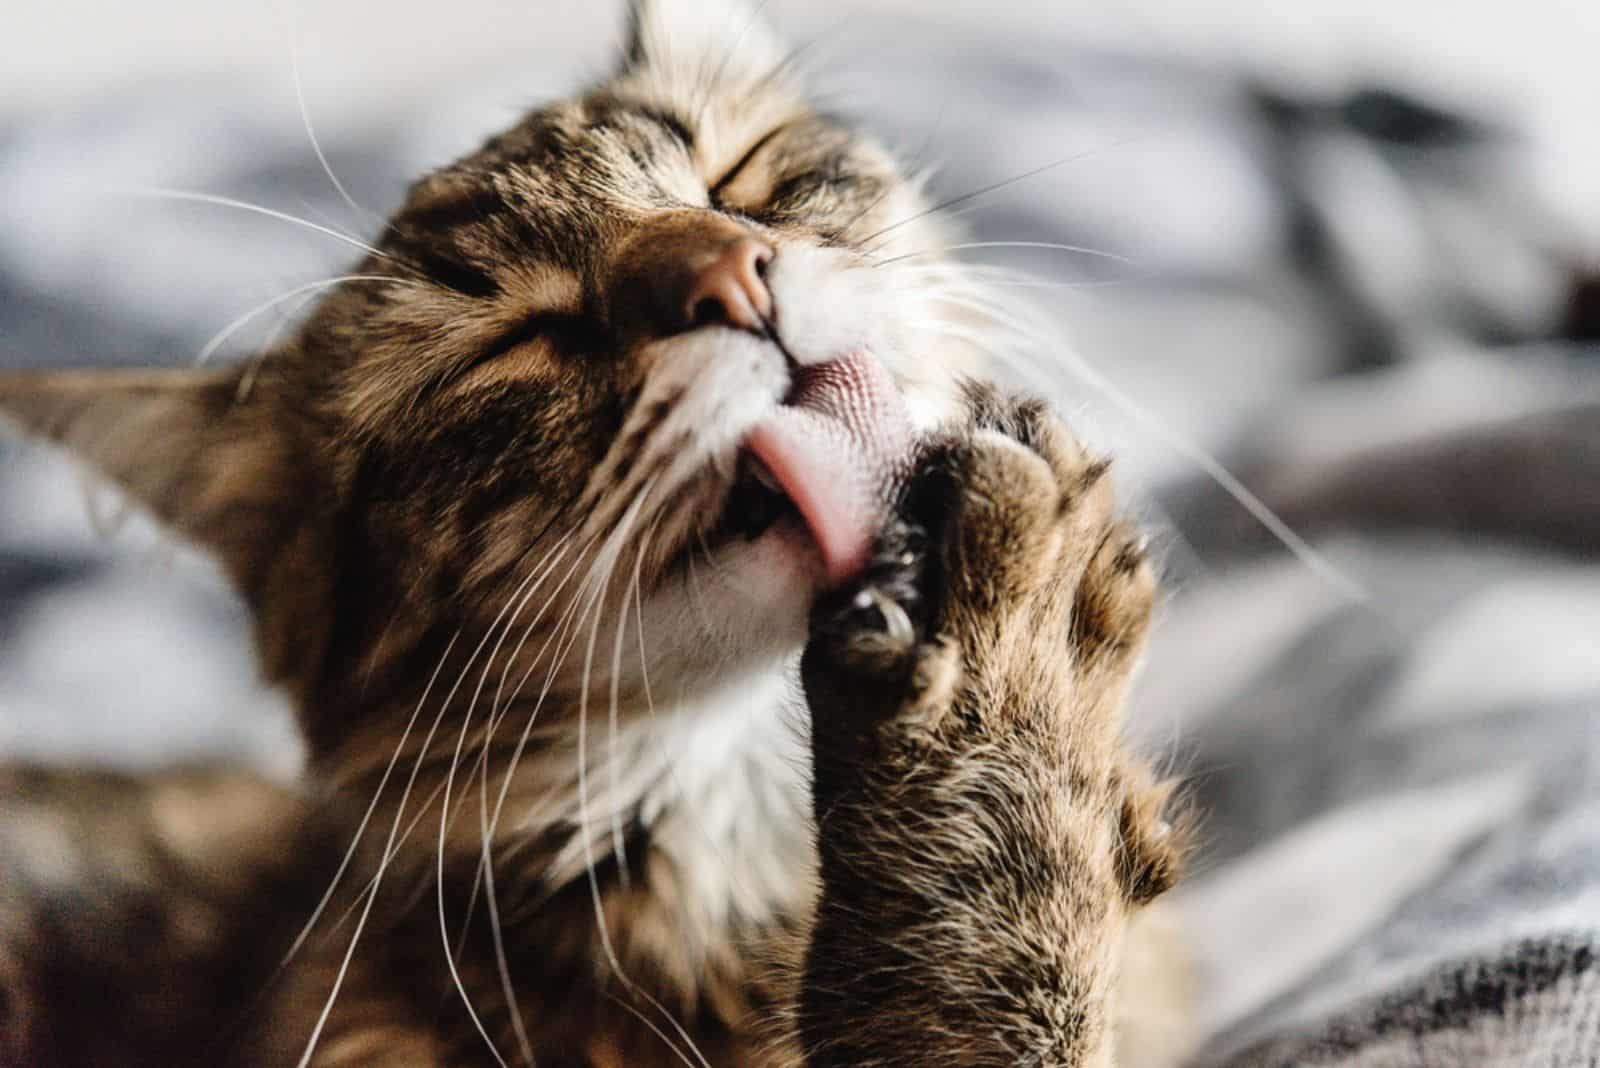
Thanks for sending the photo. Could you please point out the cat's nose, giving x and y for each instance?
(690, 270)
(731, 290)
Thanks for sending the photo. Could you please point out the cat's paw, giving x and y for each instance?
(874, 653)
(1007, 567)
(1043, 572)
(980, 826)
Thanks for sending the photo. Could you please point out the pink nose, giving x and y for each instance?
(731, 290)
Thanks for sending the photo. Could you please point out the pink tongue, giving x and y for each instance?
(837, 447)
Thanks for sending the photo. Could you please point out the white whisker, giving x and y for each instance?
(692, 581)
(390, 849)
(644, 661)
(1032, 327)
(618, 846)
(655, 1029)
(387, 855)
(564, 625)
(221, 337)
(252, 370)
(712, 83)
(487, 832)
(995, 275)
(943, 207)
(316, 146)
(1053, 246)
(598, 607)
(372, 806)
(485, 872)
(519, 599)
(154, 193)
(597, 601)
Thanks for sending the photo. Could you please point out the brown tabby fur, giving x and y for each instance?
(382, 489)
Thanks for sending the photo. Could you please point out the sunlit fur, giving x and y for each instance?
(474, 505)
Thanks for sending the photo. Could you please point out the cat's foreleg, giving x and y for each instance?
(983, 836)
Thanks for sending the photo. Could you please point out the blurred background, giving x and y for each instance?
(1344, 250)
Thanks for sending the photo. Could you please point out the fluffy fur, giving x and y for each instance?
(476, 507)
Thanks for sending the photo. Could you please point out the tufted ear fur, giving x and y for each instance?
(692, 42)
(219, 471)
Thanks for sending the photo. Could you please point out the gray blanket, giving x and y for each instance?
(1393, 737)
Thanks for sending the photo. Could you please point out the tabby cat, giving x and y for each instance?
(660, 388)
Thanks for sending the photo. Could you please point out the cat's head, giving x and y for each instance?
(540, 408)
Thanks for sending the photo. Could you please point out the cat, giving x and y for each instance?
(535, 516)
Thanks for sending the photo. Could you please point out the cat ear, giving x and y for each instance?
(180, 443)
(690, 41)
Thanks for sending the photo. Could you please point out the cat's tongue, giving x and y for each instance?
(837, 448)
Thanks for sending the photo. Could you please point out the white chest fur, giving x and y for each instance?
(719, 785)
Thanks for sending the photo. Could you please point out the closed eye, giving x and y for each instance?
(564, 332)
(744, 161)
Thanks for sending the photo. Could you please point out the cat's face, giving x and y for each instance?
(640, 358)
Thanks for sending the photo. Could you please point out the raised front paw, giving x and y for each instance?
(1005, 570)
(983, 835)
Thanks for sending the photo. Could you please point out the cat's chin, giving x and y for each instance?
(782, 568)
(733, 607)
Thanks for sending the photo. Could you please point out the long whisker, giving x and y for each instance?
(252, 370)
(993, 275)
(485, 873)
(692, 582)
(597, 601)
(316, 146)
(520, 600)
(583, 818)
(1033, 327)
(916, 173)
(1214, 469)
(389, 848)
(487, 832)
(993, 187)
(617, 841)
(557, 636)
(564, 626)
(644, 661)
(501, 961)
(711, 84)
(666, 1040)
(1052, 245)
(221, 337)
(155, 193)
(426, 804)
(521, 603)
(372, 806)
(501, 703)
(377, 881)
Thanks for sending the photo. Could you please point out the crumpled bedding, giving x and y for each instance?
(1392, 738)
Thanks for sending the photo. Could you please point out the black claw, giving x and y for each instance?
(889, 598)
(866, 610)
(875, 610)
